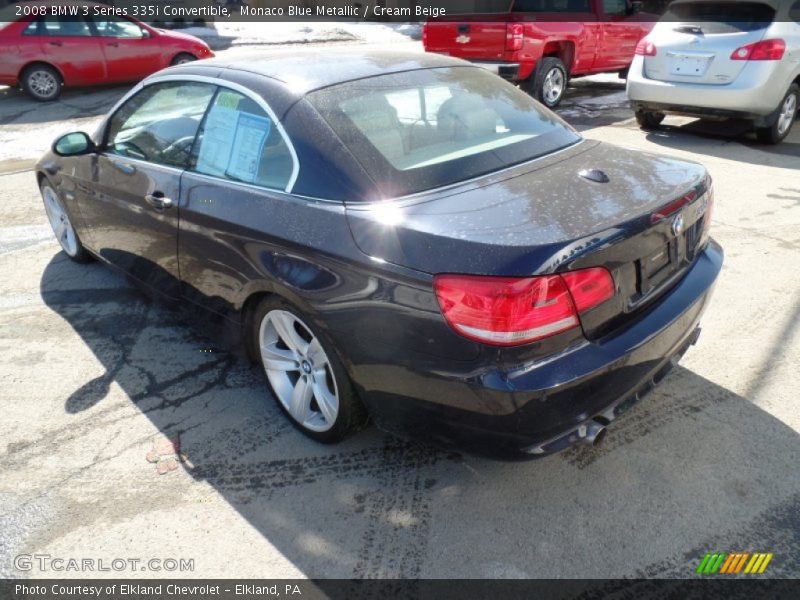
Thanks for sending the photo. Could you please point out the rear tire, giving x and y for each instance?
(304, 372)
(183, 58)
(41, 82)
(649, 119)
(784, 119)
(548, 82)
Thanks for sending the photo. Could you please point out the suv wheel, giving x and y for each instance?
(784, 119)
(649, 119)
(304, 373)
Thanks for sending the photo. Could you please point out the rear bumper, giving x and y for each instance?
(754, 94)
(540, 408)
(506, 70)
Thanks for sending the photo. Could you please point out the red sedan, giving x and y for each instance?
(43, 52)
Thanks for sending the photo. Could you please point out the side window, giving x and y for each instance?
(617, 8)
(240, 142)
(159, 123)
(59, 26)
(117, 28)
(32, 28)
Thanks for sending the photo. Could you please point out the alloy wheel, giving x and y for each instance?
(59, 221)
(298, 370)
(787, 114)
(43, 84)
(553, 86)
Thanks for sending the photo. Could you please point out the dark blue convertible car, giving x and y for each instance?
(399, 236)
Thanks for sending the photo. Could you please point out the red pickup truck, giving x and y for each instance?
(540, 44)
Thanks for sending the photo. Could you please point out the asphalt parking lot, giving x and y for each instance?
(94, 378)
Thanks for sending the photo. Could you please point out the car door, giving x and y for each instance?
(68, 44)
(233, 202)
(130, 51)
(619, 35)
(133, 213)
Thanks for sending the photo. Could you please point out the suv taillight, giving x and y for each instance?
(510, 311)
(515, 34)
(763, 50)
(645, 48)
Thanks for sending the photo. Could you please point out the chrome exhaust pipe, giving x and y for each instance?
(595, 434)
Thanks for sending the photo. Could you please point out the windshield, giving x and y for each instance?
(719, 17)
(422, 129)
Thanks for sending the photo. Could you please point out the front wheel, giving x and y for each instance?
(305, 374)
(548, 82)
(183, 58)
(782, 125)
(62, 227)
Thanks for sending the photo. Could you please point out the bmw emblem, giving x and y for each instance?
(677, 225)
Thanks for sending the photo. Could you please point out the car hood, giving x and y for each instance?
(530, 219)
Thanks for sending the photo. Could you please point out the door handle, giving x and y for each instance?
(115, 44)
(56, 43)
(158, 201)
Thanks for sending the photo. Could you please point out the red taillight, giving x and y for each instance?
(425, 34)
(673, 207)
(645, 48)
(515, 34)
(509, 311)
(589, 287)
(763, 50)
(709, 209)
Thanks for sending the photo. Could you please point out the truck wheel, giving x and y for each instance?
(784, 119)
(548, 82)
(649, 119)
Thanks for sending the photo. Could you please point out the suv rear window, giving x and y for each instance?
(722, 17)
(423, 129)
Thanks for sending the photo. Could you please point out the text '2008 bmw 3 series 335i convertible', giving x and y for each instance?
(398, 236)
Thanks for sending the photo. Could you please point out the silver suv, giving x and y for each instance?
(721, 59)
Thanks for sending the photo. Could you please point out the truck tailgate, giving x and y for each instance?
(475, 37)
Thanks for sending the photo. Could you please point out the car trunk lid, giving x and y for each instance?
(695, 41)
(550, 216)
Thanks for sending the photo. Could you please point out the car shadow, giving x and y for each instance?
(17, 108)
(694, 136)
(694, 468)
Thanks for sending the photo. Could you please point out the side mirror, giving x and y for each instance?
(145, 34)
(74, 144)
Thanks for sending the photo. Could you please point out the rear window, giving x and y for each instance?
(423, 129)
(581, 6)
(722, 17)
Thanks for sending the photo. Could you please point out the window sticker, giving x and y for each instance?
(232, 140)
(217, 145)
(248, 143)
